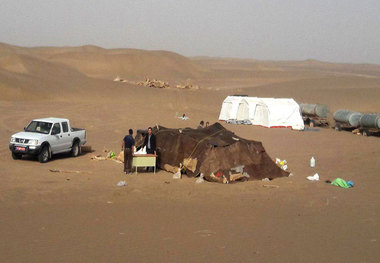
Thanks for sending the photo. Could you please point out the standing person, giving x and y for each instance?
(128, 146)
(201, 125)
(150, 142)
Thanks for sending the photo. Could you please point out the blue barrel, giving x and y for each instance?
(370, 121)
(348, 117)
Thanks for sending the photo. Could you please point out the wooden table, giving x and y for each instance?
(144, 160)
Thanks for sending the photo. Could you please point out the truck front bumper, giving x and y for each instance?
(22, 149)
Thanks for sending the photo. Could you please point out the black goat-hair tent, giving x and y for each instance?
(215, 152)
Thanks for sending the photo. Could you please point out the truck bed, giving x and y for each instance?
(76, 129)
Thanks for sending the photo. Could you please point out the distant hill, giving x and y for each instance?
(40, 71)
(97, 62)
(44, 72)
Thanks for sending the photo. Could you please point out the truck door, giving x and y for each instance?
(57, 144)
(66, 136)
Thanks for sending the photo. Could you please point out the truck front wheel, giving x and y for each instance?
(16, 156)
(43, 156)
(75, 151)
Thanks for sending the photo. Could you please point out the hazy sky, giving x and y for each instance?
(329, 30)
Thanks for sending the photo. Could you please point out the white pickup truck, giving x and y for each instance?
(45, 137)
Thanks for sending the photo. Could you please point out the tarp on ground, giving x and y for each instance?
(217, 153)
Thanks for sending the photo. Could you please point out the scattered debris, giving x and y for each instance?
(238, 169)
(282, 164)
(205, 233)
(178, 174)
(160, 84)
(232, 121)
(183, 117)
(118, 79)
(122, 183)
(312, 162)
(111, 155)
(98, 157)
(200, 179)
(154, 83)
(271, 186)
(315, 177)
(342, 183)
(188, 85)
(68, 171)
(238, 176)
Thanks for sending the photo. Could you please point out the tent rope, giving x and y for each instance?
(196, 146)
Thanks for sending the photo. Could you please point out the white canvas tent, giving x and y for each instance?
(267, 112)
(230, 108)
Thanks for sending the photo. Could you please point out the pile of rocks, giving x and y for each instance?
(187, 86)
(153, 83)
(160, 84)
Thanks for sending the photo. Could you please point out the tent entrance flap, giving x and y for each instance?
(243, 111)
(261, 116)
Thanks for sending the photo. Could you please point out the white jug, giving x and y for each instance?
(312, 162)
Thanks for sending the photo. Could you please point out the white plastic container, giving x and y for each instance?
(312, 162)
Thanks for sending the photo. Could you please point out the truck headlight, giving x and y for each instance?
(33, 142)
(13, 139)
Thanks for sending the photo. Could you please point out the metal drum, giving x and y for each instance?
(370, 121)
(317, 110)
(349, 117)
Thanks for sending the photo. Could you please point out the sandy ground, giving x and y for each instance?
(85, 217)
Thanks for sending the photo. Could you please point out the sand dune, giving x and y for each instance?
(48, 69)
(49, 217)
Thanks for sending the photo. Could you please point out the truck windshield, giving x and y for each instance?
(39, 126)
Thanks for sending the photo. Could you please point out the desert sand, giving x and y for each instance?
(85, 217)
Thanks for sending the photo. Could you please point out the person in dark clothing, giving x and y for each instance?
(201, 125)
(128, 146)
(150, 142)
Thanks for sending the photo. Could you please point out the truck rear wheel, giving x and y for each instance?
(16, 156)
(43, 156)
(75, 151)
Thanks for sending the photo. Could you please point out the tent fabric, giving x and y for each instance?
(230, 108)
(215, 152)
(267, 112)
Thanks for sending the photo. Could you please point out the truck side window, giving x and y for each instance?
(56, 129)
(65, 127)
